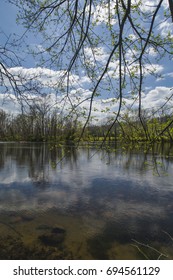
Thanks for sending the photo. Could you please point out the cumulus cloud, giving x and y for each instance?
(47, 77)
(166, 28)
(102, 108)
(105, 13)
(95, 55)
(157, 97)
(148, 69)
(80, 90)
(148, 6)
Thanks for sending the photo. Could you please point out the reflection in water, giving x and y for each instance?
(106, 206)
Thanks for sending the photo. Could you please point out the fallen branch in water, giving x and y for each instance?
(168, 234)
(149, 247)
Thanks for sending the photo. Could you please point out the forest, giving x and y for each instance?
(41, 126)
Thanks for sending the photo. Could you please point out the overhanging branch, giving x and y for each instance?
(171, 8)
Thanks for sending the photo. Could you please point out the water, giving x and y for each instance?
(112, 204)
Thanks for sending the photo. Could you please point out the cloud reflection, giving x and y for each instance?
(113, 189)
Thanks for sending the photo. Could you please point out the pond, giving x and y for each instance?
(58, 202)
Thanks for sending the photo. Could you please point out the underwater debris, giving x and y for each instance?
(15, 249)
(55, 237)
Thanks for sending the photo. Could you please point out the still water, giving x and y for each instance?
(115, 204)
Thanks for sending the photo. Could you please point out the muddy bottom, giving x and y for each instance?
(52, 235)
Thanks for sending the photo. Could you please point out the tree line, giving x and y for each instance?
(39, 126)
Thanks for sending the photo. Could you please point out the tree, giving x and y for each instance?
(4, 124)
(13, 81)
(114, 56)
(8, 59)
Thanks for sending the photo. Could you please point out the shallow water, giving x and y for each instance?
(111, 204)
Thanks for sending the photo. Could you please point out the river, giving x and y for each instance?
(58, 202)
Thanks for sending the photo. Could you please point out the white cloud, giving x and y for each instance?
(152, 52)
(102, 108)
(153, 68)
(9, 103)
(149, 6)
(169, 74)
(166, 28)
(165, 4)
(148, 69)
(157, 97)
(46, 76)
(104, 13)
(36, 48)
(95, 55)
(109, 100)
(79, 91)
(84, 80)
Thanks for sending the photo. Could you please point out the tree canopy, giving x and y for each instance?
(115, 44)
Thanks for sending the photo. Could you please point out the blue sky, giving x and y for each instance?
(155, 90)
(8, 17)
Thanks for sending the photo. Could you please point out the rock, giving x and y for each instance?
(52, 239)
(55, 237)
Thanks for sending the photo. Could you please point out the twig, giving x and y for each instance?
(141, 251)
(149, 247)
(168, 234)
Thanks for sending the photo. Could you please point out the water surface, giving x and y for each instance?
(112, 204)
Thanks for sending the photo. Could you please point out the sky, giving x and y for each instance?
(155, 92)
